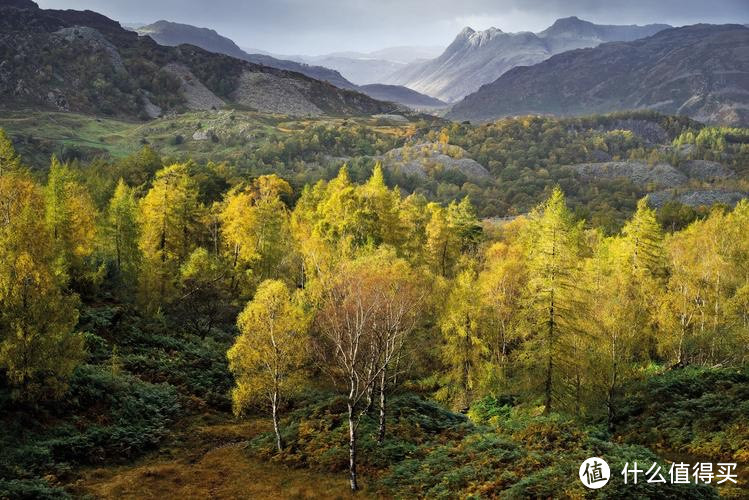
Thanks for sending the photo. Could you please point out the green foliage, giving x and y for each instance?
(695, 411)
(9, 159)
(38, 346)
(316, 432)
(717, 144)
(171, 222)
(522, 456)
(401, 290)
(105, 418)
(121, 235)
(464, 351)
(31, 489)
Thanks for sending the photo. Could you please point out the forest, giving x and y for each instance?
(393, 337)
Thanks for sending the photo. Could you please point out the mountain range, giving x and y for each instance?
(475, 58)
(85, 62)
(175, 34)
(701, 71)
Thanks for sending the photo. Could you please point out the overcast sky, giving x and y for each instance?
(322, 26)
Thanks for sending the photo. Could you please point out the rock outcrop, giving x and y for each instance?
(696, 198)
(429, 159)
(197, 95)
(638, 173)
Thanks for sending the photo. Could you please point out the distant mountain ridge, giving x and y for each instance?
(401, 95)
(700, 71)
(175, 34)
(475, 58)
(364, 68)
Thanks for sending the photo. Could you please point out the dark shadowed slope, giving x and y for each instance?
(82, 61)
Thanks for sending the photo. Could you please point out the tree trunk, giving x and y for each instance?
(550, 363)
(610, 409)
(352, 448)
(276, 428)
(383, 402)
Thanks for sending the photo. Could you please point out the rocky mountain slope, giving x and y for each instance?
(85, 62)
(701, 71)
(479, 57)
(175, 34)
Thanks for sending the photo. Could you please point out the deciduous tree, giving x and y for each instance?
(267, 357)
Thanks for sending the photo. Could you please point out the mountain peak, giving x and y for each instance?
(569, 21)
(565, 24)
(478, 38)
(466, 32)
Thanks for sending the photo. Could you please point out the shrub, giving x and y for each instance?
(697, 411)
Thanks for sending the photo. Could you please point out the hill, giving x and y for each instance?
(701, 71)
(175, 34)
(478, 57)
(85, 62)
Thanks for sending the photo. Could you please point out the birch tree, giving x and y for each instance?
(267, 357)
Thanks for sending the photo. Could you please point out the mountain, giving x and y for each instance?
(365, 68)
(401, 95)
(478, 57)
(85, 62)
(174, 34)
(701, 71)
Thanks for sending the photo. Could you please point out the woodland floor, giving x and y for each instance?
(208, 460)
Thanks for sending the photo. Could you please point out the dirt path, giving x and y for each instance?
(210, 463)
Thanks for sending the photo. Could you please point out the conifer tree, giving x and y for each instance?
(122, 232)
(256, 230)
(442, 245)
(553, 303)
(202, 293)
(624, 283)
(171, 228)
(9, 159)
(38, 347)
(71, 217)
(464, 350)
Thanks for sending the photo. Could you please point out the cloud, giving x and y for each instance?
(317, 26)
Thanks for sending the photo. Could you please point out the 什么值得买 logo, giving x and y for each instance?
(595, 473)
